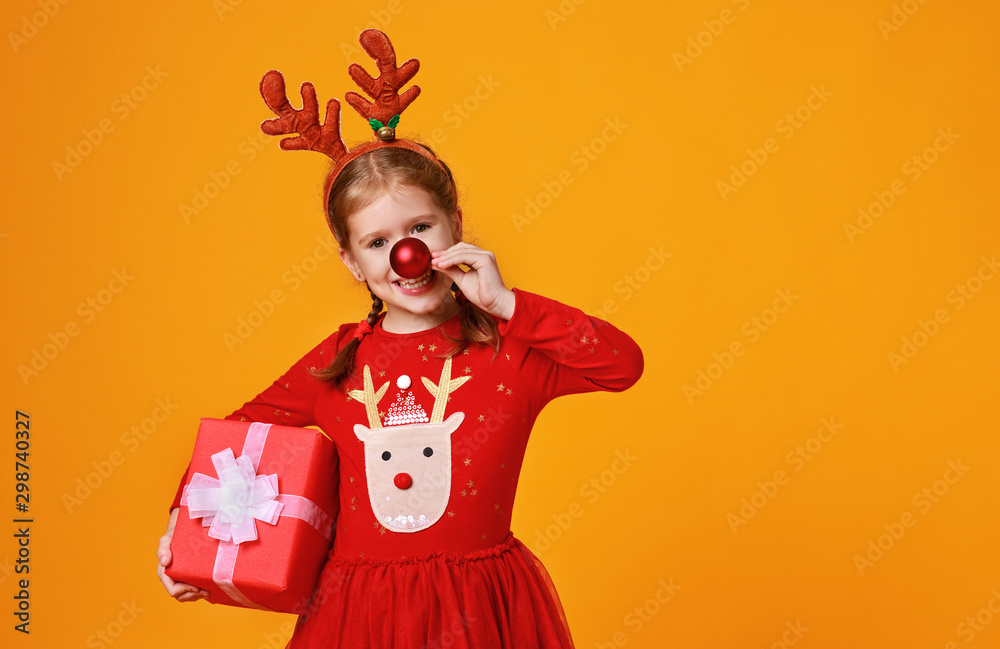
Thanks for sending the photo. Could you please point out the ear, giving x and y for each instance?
(362, 432)
(348, 259)
(456, 223)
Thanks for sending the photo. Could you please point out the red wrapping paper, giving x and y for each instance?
(278, 571)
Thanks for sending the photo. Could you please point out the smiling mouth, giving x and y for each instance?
(416, 282)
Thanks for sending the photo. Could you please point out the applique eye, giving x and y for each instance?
(428, 452)
(386, 455)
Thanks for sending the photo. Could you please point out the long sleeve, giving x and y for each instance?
(290, 400)
(572, 352)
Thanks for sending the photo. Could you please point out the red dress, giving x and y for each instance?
(430, 452)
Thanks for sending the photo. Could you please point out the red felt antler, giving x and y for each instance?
(311, 135)
(384, 89)
(382, 113)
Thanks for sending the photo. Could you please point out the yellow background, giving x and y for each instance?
(550, 76)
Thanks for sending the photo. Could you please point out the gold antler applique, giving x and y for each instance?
(446, 385)
(370, 398)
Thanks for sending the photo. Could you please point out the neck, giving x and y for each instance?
(398, 321)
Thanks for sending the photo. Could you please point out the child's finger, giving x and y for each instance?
(474, 258)
(457, 248)
(180, 591)
(454, 273)
(163, 551)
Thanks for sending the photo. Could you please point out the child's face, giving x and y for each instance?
(406, 212)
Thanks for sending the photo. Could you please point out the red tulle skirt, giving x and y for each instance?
(501, 597)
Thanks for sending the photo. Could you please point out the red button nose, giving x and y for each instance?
(403, 480)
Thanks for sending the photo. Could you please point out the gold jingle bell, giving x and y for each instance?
(386, 134)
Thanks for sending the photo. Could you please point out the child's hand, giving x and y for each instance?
(176, 589)
(482, 283)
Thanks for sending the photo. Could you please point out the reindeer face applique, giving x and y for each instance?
(408, 461)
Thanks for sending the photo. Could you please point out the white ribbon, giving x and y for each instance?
(233, 503)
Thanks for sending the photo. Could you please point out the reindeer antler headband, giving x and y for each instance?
(382, 113)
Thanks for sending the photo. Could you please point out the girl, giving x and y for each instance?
(430, 403)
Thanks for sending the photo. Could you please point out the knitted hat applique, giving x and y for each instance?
(405, 410)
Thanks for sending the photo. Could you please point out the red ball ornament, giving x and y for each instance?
(410, 258)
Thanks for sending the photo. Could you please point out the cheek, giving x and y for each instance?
(374, 263)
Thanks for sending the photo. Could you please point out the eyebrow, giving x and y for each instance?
(377, 234)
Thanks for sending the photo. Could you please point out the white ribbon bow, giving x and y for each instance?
(232, 503)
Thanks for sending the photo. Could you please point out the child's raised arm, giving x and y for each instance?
(573, 352)
(578, 353)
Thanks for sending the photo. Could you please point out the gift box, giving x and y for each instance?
(257, 515)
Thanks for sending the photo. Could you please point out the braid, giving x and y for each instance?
(477, 328)
(342, 367)
(376, 307)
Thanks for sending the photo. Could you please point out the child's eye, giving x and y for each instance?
(420, 227)
(377, 243)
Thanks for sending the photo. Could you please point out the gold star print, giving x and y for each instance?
(569, 322)
(584, 340)
(381, 530)
(482, 418)
(352, 478)
(471, 483)
(500, 388)
(524, 420)
(509, 392)
(425, 357)
(591, 350)
(467, 369)
(496, 506)
(474, 491)
(338, 417)
(593, 340)
(463, 493)
(452, 514)
(484, 536)
(614, 351)
(432, 347)
(508, 356)
(381, 414)
(468, 461)
(466, 351)
(243, 418)
(381, 374)
(348, 398)
(502, 465)
(420, 347)
(287, 386)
